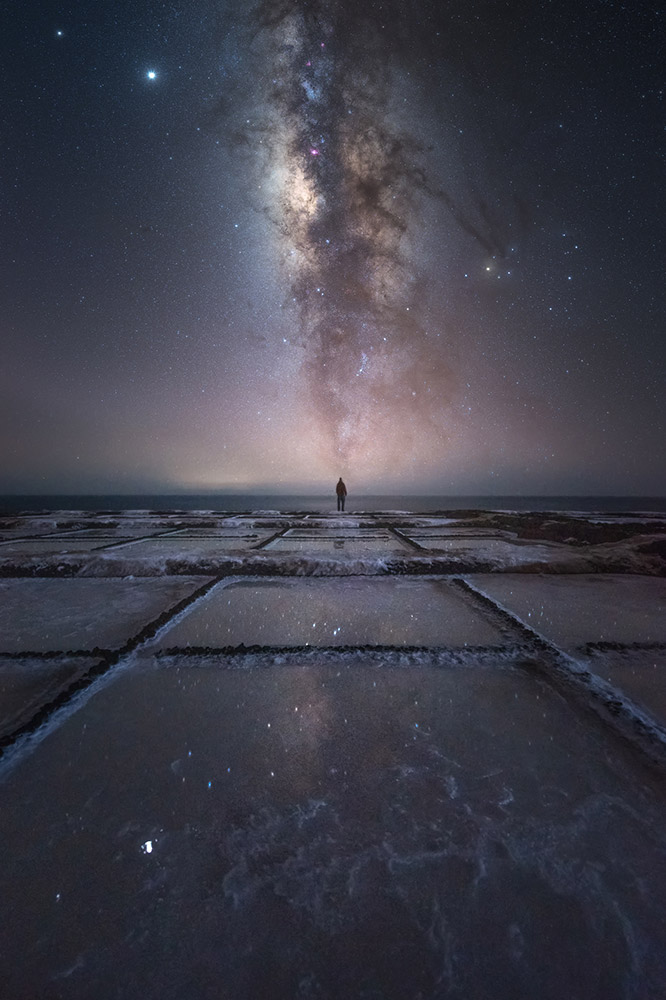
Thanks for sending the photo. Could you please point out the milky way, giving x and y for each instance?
(349, 187)
(348, 190)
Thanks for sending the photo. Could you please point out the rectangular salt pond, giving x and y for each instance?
(267, 525)
(244, 531)
(640, 674)
(574, 610)
(28, 684)
(479, 545)
(332, 612)
(123, 531)
(49, 546)
(173, 546)
(448, 532)
(352, 548)
(301, 532)
(334, 523)
(42, 615)
(307, 830)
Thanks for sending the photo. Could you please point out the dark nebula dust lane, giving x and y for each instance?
(258, 245)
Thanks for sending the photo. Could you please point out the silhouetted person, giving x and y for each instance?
(341, 491)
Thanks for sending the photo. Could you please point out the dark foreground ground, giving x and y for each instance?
(387, 755)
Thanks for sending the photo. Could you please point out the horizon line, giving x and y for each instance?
(304, 493)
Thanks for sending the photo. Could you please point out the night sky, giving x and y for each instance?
(259, 245)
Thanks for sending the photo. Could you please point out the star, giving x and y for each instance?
(151, 74)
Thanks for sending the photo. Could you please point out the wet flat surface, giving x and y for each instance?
(43, 615)
(451, 530)
(128, 530)
(354, 547)
(333, 612)
(263, 524)
(27, 684)
(404, 519)
(480, 546)
(638, 673)
(343, 522)
(345, 532)
(574, 610)
(48, 546)
(331, 831)
(220, 532)
(173, 545)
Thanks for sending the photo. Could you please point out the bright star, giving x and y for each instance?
(151, 74)
(59, 33)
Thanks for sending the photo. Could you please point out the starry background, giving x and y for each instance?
(257, 245)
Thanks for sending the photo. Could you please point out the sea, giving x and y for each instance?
(239, 502)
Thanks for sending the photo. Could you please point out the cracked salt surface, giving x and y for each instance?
(305, 831)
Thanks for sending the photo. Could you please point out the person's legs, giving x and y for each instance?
(339, 502)
(343, 498)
